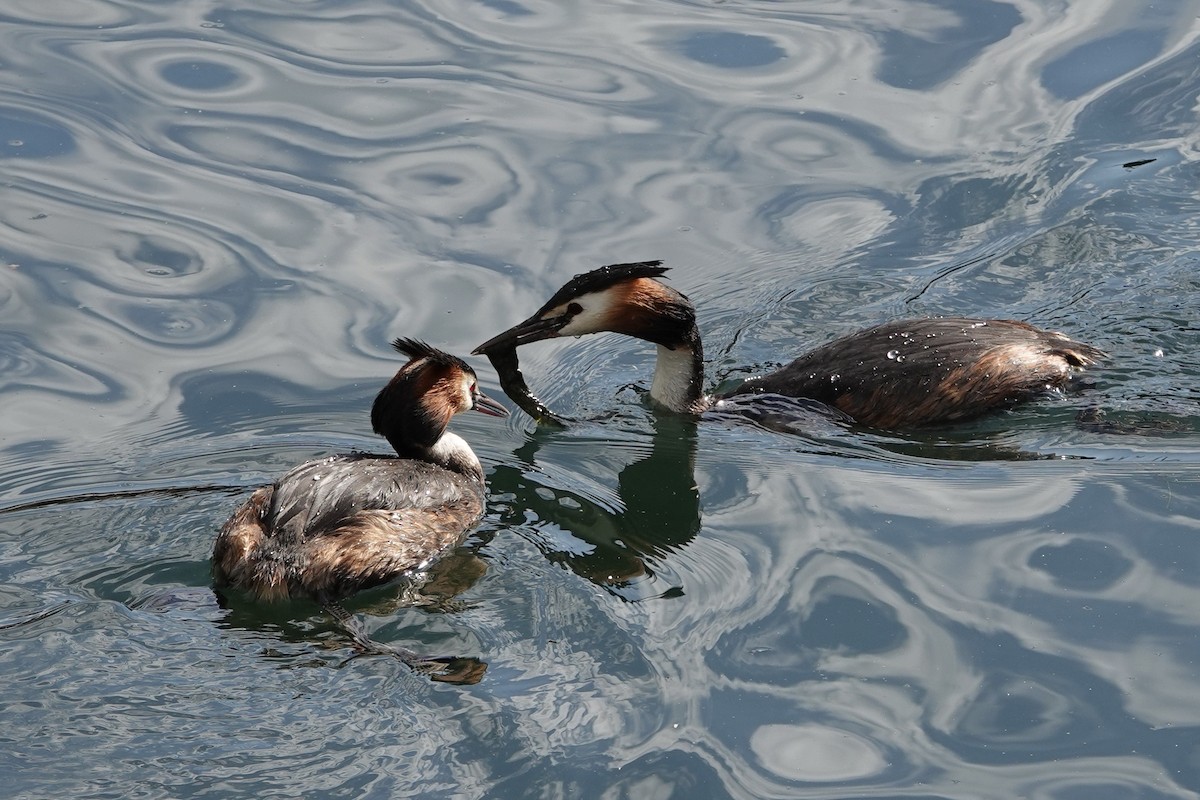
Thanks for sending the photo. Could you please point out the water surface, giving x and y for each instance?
(216, 218)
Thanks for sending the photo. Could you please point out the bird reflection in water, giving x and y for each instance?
(624, 547)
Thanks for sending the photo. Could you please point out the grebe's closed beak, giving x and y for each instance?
(486, 405)
(533, 329)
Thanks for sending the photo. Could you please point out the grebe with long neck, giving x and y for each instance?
(897, 375)
(337, 525)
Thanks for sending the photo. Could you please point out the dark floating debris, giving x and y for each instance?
(1141, 162)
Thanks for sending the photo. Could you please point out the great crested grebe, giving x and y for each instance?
(897, 375)
(336, 525)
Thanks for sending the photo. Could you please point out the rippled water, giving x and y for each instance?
(215, 218)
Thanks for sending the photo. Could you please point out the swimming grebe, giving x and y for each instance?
(897, 375)
(340, 524)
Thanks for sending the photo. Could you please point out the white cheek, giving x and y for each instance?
(587, 321)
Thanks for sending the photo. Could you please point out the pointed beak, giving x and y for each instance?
(486, 405)
(533, 329)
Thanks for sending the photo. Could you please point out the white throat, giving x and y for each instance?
(453, 452)
(675, 380)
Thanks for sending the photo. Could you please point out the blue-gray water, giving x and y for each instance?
(215, 218)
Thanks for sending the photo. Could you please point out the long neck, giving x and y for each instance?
(679, 376)
(452, 452)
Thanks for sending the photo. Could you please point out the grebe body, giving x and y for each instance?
(333, 526)
(898, 375)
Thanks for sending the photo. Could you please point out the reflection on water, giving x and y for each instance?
(215, 219)
(656, 510)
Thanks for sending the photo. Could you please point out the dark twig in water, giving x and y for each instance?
(96, 497)
(508, 368)
(1141, 162)
(947, 272)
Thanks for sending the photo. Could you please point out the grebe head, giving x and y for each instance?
(413, 410)
(622, 298)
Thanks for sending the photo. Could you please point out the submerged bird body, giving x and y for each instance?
(898, 375)
(925, 371)
(334, 526)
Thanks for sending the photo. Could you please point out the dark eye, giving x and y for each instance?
(574, 308)
(473, 388)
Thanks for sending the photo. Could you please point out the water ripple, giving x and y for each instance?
(82, 14)
(216, 218)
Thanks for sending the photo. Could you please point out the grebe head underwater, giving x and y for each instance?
(339, 524)
(901, 374)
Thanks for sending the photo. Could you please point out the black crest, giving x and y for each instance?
(415, 348)
(602, 278)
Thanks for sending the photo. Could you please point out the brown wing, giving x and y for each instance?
(919, 372)
(333, 526)
(236, 553)
(375, 546)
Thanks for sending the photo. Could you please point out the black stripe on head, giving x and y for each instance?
(415, 349)
(602, 278)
